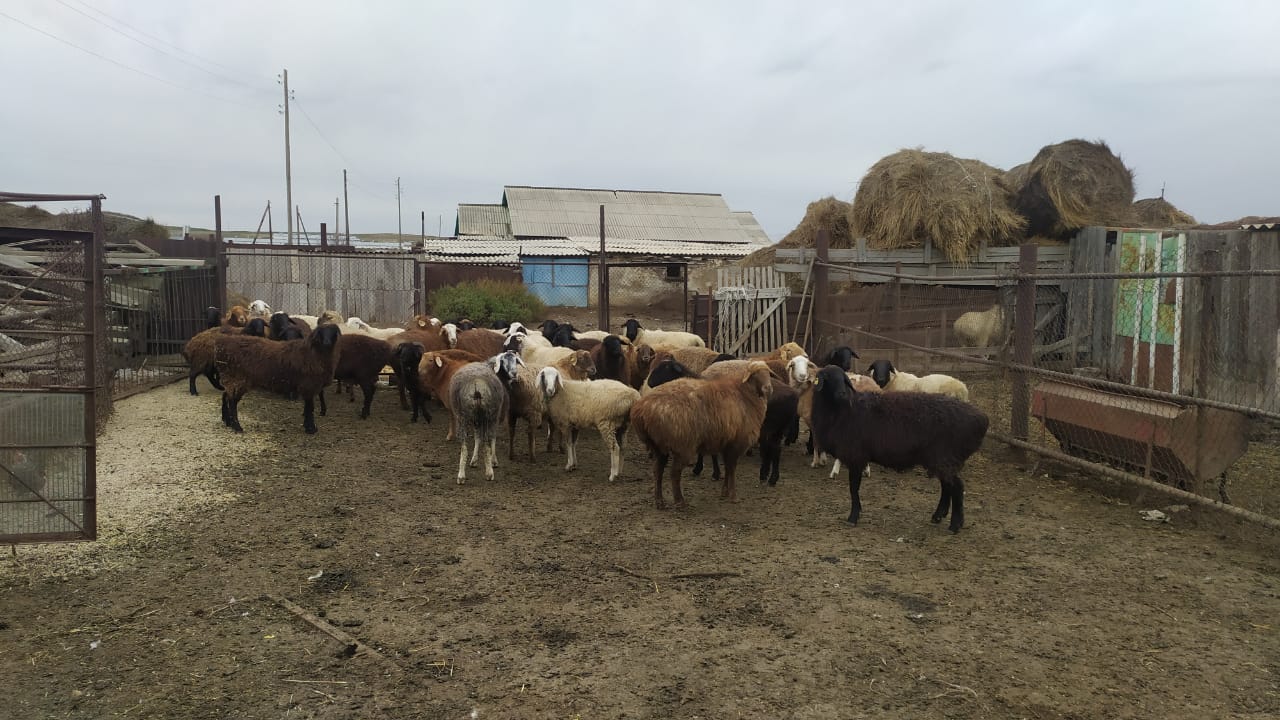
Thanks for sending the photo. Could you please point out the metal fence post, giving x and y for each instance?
(1023, 335)
(602, 282)
(821, 288)
(220, 253)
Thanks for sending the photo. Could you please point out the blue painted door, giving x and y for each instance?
(557, 281)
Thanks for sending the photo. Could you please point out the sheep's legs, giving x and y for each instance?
(729, 489)
(462, 459)
(308, 413)
(613, 438)
(855, 484)
(490, 452)
(475, 451)
(573, 449)
(367, 387)
(231, 411)
(659, 469)
(677, 495)
(324, 408)
(952, 498)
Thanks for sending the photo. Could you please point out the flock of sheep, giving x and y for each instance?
(682, 400)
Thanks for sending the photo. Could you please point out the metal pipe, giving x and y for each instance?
(1177, 316)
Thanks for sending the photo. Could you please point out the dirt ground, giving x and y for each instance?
(556, 595)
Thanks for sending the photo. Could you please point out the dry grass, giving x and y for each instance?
(1072, 185)
(957, 203)
(828, 213)
(1160, 213)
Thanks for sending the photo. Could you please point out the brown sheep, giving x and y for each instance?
(612, 360)
(684, 418)
(200, 349)
(480, 341)
(301, 367)
(696, 359)
(578, 366)
(641, 362)
(360, 362)
(434, 373)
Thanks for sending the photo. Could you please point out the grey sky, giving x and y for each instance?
(772, 104)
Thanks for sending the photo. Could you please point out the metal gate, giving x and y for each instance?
(51, 387)
(752, 310)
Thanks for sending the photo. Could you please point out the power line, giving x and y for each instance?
(118, 64)
(332, 147)
(122, 23)
(162, 51)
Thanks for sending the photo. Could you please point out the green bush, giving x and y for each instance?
(484, 301)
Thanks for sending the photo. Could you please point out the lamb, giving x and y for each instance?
(892, 380)
(301, 367)
(900, 431)
(525, 400)
(603, 404)
(684, 418)
(258, 308)
(612, 361)
(980, 329)
(200, 351)
(779, 415)
(655, 338)
(360, 362)
(477, 402)
(842, 356)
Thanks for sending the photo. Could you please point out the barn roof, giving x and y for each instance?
(483, 220)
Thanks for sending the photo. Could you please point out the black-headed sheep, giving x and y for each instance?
(199, 351)
(656, 338)
(612, 360)
(899, 431)
(893, 380)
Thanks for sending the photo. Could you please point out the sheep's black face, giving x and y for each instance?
(548, 328)
(325, 337)
(843, 356)
(723, 357)
(612, 346)
(212, 317)
(465, 324)
(279, 323)
(632, 328)
(881, 371)
(257, 327)
(834, 383)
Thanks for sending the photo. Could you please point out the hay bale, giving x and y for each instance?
(1016, 176)
(828, 213)
(1072, 185)
(1159, 213)
(957, 203)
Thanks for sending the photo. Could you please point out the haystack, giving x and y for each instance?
(1075, 184)
(828, 213)
(957, 203)
(1016, 176)
(1159, 213)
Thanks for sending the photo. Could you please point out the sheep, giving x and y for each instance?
(783, 353)
(548, 328)
(477, 403)
(435, 371)
(406, 357)
(592, 335)
(684, 418)
(612, 361)
(303, 367)
(525, 400)
(423, 322)
(563, 336)
(357, 326)
(641, 360)
(861, 383)
(900, 431)
(673, 338)
(539, 355)
(842, 356)
(578, 365)
(258, 308)
(481, 341)
(603, 404)
(664, 371)
(360, 362)
(980, 329)
(465, 324)
(237, 316)
(283, 327)
(893, 380)
(199, 350)
(696, 359)
(778, 417)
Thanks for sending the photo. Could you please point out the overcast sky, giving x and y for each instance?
(771, 104)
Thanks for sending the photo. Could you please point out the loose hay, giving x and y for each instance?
(1160, 213)
(957, 203)
(828, 213)
(1072, 185)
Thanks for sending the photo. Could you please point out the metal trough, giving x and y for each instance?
(1181, 445)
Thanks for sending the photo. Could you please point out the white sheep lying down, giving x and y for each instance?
(576, 404)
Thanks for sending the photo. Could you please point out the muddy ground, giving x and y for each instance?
(555, 595)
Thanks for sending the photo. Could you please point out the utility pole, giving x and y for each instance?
(288, 168)
(399, 225)
(424, 227)
(271, 238)
(346, 205)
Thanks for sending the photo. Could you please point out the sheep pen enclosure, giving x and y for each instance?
(346, 575)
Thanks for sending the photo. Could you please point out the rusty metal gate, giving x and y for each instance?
(51, 387)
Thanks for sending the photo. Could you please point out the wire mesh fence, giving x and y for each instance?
(150, 315)
(1154, 356)
(655, 293)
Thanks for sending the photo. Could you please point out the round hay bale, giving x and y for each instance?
(1159, 213)
(827, 212)
(1016, 176)
(957, 203)
(1072, 185)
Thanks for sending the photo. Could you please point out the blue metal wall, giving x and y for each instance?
(556, 280)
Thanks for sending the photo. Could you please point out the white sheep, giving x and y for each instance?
(536, 354)
(893, 380)
(576, 404)
(355, 325)
(591, 335)
(659, 338)
(980, 329)
(479, 402)
(259, 308)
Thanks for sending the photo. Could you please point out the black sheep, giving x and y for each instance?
(842, 356)
(611, 360)
(283, 327)
(548, 329)
(212, 317)
(563, 336)
(406, 357)
(899, 431)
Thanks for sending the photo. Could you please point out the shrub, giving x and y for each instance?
(484, 301)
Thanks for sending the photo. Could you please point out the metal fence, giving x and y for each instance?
(1152, 360)
(51, 378)
(380, 288)
(657, 293)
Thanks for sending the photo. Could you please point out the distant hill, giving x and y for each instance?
(119, 226)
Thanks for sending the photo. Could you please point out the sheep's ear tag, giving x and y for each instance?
(817, 383)
(439, 362)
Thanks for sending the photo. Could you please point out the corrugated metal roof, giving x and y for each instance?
(625, 246)
(629, 215)
(493, 246)
(1261, 227)
(752, 227)
(483, 219)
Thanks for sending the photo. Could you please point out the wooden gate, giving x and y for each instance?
(752, 315)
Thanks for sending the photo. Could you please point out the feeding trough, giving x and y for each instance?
(1183, 445)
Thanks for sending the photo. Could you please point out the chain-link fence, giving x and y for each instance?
(151, 312)
(1150, 356)
(655, 293)
(50, 378)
